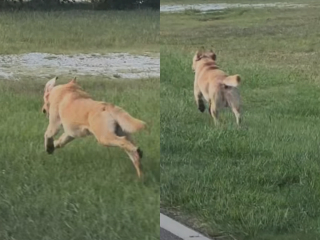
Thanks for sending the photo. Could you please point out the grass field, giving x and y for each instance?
(262, 181)
(83, 191)
(79, 31)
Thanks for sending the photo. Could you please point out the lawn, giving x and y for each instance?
(75, 31)
(83, 191)
(262, 181)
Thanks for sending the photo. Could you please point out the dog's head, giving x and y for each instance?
(201, 55)
(47, 90)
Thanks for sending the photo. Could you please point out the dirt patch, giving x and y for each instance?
(222, 6)
(122, 65)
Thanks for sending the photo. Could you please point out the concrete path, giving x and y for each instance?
(173, 230)
(165, 235)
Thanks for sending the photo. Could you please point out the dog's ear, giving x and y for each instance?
(212, 55)
(50, 85)
(199, 55)
(74, 80)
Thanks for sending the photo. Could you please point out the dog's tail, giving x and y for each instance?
(232, 81)
(128, 123)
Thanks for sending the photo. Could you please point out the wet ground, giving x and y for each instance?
(222, 6)
(113, 65)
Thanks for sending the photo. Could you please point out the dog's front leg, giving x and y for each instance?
(52, 130)
(198, 98)
(63, 140)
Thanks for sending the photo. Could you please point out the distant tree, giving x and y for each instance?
(155, 4)
(93, 4)
(128, 4)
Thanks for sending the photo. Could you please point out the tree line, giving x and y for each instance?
(79, 4)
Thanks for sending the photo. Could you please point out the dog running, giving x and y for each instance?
(68, 105)
(215, 86)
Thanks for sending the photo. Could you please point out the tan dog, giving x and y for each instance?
(69, 106)
(212, 84)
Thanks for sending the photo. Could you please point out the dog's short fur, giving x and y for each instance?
(69, 106)
(215, 86)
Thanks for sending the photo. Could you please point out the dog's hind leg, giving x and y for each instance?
(132, 155)
(63, 140)
(214, 110)
(236, 112)
(134, 152)
(233, 100)
(136, 163)
(198, 98)
(110, 134)
(214, 113)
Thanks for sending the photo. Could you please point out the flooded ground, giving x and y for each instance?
(222, 6)
(114, 65)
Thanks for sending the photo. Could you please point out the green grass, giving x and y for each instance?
(82, 191)
(79, 31)
(262, 181)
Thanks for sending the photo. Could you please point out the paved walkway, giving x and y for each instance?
(173, 230)
(165, 235)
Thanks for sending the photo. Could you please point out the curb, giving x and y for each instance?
(180, 230)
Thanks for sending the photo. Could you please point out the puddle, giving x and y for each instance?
(122, 65)
(222, 6)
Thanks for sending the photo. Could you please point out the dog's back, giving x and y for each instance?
(217, 88)
(78, 111)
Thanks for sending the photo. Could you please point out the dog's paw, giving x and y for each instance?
(201, 107)
(140, 152)
(50, 149)
(50, 146)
